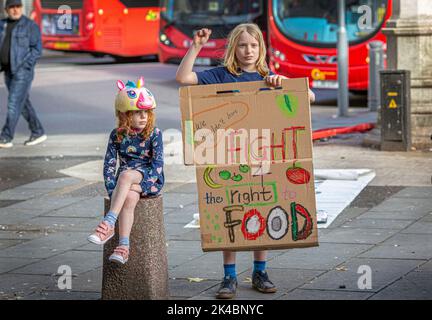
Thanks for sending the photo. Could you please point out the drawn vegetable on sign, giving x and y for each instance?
(297, 175)
(226, 175)
(288, 104)
(253, 225)
(208, 180)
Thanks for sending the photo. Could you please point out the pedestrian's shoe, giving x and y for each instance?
(33, 140)
(262, 283)
(102, 234)
(5, 143)
(227, 288)
(120, 255)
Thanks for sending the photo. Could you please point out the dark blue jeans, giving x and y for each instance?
(19, 103)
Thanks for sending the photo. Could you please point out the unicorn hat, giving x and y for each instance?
(134, 97)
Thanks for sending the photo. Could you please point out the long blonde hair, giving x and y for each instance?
(124, 125)
(230, 59)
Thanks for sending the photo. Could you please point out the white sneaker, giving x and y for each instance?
(120, 255)
(5, 143)
(35, 140)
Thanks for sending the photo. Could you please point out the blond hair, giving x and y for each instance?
(230, 59)
(124, 125)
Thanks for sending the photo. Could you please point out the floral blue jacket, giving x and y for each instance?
(136, 154)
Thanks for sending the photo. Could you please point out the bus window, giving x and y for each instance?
(140, 3)
(315, 21)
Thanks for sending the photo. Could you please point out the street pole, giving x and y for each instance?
(342, 51)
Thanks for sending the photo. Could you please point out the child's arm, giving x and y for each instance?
(184, 74)
(110, 163)
(157, 160)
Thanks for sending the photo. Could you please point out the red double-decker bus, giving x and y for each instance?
(303, 37)
(180, 18)
(121, 28)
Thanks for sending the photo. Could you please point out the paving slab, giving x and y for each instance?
(384, 272)
(346, 215)
(185, 188)
(22, 193)
(414, 286)
(427, 218)
(47, 203)
(78, 261)
(393, 215)
(308, 294)
(324, 257)
(181, 216)
(419, 228)
(412, 207)
(14, 286)
(9, 243)
(12, 216)
(185, 288)
(403, 246)
(180, 252)
(427, 267)
(63, 224)
(89, 247)
(177, 230)
(47, 246)
(377, 223)
(174, 200)
(21, 235)
(357, 235)
(93, 207)
(64, 295)
(284, 279)
(415, 192)
(53, 184)
(8, 264)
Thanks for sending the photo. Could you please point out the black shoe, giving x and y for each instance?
(262, 283)
(35, 140)
(5, 143)
(227, 288)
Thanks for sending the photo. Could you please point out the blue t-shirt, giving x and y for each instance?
(222, 75)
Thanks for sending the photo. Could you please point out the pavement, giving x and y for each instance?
(387, 228)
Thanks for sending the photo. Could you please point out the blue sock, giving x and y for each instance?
(111, 218)
(259, 266)
(229, 270)
(124, 241)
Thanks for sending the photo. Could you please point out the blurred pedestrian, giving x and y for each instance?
(20, 47)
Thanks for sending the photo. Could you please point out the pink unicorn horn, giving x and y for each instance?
(120, 85)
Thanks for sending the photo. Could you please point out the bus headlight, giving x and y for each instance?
(165, 40)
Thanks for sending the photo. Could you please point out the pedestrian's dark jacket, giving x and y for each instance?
(25, 46)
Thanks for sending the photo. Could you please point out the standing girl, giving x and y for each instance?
(138, 145)
(245, 60)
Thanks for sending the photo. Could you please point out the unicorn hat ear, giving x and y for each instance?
(140, 82)
(120, 85)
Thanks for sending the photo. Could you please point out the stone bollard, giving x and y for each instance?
(145, 275)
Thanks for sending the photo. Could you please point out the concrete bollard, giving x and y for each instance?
(145, 275)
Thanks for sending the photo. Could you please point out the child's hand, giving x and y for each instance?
(274, 80)
(311, 96)
(201, 37)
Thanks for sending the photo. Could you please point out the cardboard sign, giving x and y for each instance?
(252, 147)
